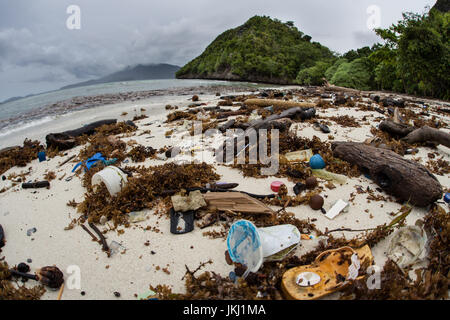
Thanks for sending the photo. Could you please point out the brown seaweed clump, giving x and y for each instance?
(19, 156)
(290, 143)
(346, 121)
(140, 153)
(9, 291)
(439, 166)
(143, 189)
(178, 115)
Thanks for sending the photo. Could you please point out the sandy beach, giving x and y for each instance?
(155, 256)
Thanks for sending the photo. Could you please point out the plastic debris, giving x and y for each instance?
(299, 156)
(276, 185)
(338, 207)
(407, 245)
(31, 231)
(114, 179)
(90, 162)
(2, 237)
(36, 185)
(317, 162)
(41, 156)
(116, 247)
(149, 295)
(325, 175)
(181, 222)
(251, 246)
(135, 217)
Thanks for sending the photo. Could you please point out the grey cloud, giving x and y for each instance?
(36, 47)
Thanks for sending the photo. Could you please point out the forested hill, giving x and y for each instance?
(262, 50)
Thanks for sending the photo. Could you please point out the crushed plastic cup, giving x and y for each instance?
(113, 178)
(251, 246)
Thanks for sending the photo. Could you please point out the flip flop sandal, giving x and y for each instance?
(181, 222)
(325, 275)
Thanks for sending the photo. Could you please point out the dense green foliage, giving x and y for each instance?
(414, 57)
(260, 50)
(355, 74)
(315, 75)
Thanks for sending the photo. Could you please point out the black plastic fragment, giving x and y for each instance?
(34, 185)
(188, 218)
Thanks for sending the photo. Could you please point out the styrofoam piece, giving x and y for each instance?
(338, 207)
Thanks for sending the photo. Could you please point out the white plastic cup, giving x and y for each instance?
(113, 178)
(251, 246)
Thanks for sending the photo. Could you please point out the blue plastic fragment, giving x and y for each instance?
(316, 162)
(41, 156)
(447, 198)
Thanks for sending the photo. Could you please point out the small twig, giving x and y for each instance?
(65, 161)
(349, 230)
(60, 292)
(102, 238)
(198, 268)
(90, 233)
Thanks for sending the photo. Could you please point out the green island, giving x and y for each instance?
(412, 56)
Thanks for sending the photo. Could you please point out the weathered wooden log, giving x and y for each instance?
(223, 115)
(302, 113)
(396, 129)
(277, 103)
(66, 140)
(277, 121)
(89, 129)
(227, 125)
(405, 179)
(428, 134)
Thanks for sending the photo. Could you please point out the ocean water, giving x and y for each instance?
(16, 124)
(17, 107)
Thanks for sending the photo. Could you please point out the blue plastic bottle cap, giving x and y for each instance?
(447, 198)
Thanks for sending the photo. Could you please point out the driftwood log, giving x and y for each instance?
(397, 130)
(428, 134)
(411, 135)
(402, 178)
(277, 103)
(280, 121)
(66, 140)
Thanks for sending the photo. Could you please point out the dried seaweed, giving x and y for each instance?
(178, 115)
(346, 121)
(19, 156)
(439, 166)
(290, 143)
(142, 190)
(10, 291)
(140, 153)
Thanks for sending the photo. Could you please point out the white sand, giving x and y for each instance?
(132, 272)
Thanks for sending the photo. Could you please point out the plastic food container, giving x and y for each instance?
(113, 178)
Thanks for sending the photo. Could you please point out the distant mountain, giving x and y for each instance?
(139, 72)
(261, 50)
(16, 98)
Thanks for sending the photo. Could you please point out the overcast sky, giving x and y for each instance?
(39, 53)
